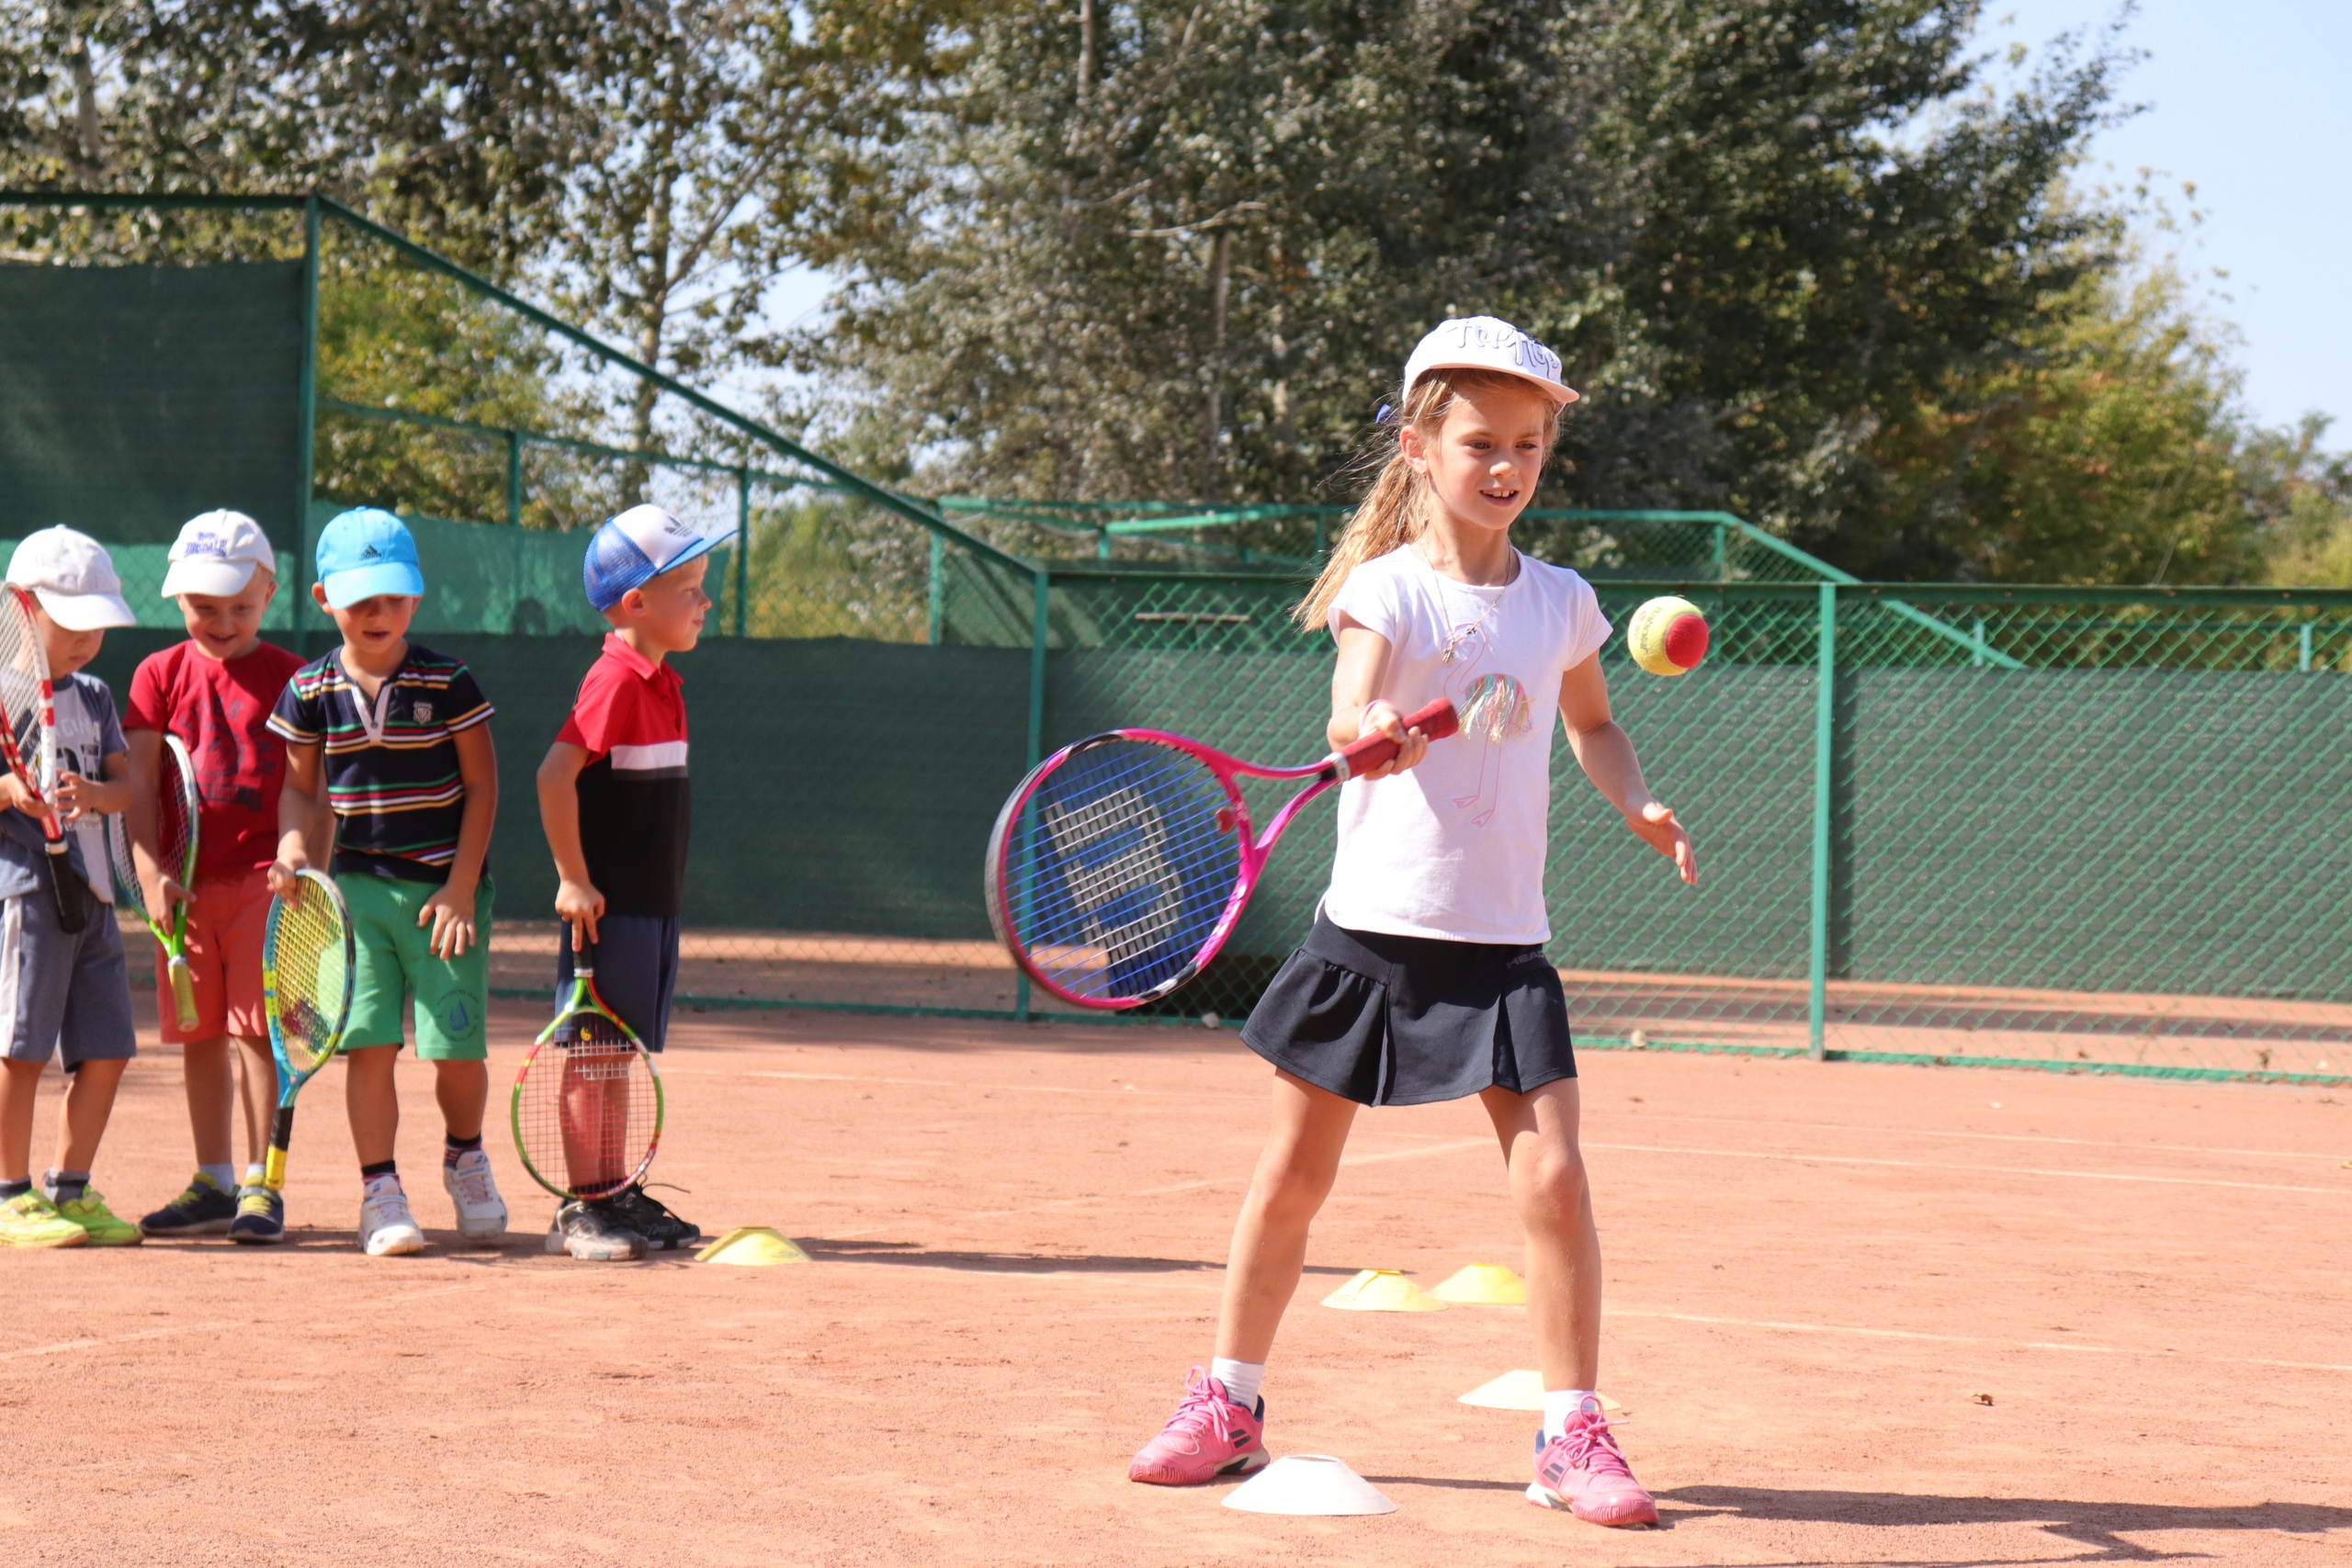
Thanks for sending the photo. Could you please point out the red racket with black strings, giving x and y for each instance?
(29, 744)
(1121, 863)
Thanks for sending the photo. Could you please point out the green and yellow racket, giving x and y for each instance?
(306, 974)
(587, 1109)
(175, 850)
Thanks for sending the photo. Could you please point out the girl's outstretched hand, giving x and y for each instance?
(1657, 828)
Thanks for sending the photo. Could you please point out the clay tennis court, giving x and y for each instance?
(1819, 1276)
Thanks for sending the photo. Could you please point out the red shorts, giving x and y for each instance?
(225, 926)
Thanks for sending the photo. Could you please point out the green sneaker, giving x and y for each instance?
(100, 1224)
(30, 1220)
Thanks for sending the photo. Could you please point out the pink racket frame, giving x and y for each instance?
(1437, 720)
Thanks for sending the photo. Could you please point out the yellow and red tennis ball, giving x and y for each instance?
(1668, 635)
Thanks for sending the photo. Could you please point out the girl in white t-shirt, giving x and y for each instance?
(1424, 976)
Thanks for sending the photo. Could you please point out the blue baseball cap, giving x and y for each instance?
(634, 549)
(365, 552)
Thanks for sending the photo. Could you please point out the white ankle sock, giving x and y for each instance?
(224, 1176)
(254, 1176)
(1240, 1380)
(1560, 1407)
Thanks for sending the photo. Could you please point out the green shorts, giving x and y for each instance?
(396, 961)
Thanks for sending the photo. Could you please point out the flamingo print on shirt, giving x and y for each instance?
(1493, 708)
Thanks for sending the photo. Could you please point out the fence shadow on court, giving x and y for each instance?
(2101, 1527)
(910, 1255)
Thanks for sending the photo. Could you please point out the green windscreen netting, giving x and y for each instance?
(132, 398)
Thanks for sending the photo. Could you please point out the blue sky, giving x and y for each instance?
(2247, 100)
(2244, 99)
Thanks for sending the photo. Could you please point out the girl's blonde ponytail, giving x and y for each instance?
(1395, 511)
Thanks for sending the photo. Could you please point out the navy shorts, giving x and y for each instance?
(61, 994)
(1387, 1020)
(636, 970)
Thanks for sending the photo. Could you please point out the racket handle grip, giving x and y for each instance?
(1437, 720)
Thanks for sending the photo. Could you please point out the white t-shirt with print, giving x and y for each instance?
(1453, 849)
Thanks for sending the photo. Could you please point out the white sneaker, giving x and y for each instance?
(481, 1212)
(387, 1229)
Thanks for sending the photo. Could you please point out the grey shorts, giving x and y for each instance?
(70, 995)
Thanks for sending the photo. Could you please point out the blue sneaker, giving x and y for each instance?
(261, 1216)
(203, 1210)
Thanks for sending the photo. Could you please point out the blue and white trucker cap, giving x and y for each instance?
(634, 549)
(365, 552)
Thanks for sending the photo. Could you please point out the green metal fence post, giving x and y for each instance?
(515, 477)
(1037, 630)
(306, 429)
(1825, 720)
(2307, 648)
(1723, 553)
(743, 552)
(938, 588)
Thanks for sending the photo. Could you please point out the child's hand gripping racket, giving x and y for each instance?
(28, 741)
(174, 848)
(1121, 863)
(307, 966)
(587, 1110)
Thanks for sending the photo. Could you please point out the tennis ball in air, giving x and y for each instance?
(1668, 635)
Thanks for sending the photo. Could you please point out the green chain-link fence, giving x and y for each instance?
(2077, 827)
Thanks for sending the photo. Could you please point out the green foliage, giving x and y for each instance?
(2308, 493)
(2099, 448)
(1747, 224)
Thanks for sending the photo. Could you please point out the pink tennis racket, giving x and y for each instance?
(1121, 863)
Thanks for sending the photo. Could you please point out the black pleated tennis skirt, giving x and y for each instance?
(1387, 1020)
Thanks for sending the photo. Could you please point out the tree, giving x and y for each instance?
(1748, 225)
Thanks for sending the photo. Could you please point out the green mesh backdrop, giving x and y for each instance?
(132, 398)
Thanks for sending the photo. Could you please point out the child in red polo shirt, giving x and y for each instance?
(614, 802)
(215, 692)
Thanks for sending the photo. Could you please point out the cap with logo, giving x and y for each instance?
(1486, 342)
(72, 577)
(634, 549)
(367, 552)
(216, 554)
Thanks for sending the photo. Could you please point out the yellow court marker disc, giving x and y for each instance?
(1484, 1284)
(1383, 1289)
(753, 1246)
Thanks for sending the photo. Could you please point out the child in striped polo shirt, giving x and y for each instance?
(389, 760)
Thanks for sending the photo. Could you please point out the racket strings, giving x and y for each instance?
(1120, 867)
(24, 669)
(177, 806)
(309, 971)
(587, 1110)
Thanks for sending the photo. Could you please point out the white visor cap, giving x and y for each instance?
(1487, 342)
(216, 554)
(72, 577)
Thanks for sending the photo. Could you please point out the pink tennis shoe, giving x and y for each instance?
(1209, 1436)
(1583, 1471)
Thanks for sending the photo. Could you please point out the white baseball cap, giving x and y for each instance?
(1486, 342)
(216, 554)
(72, 577)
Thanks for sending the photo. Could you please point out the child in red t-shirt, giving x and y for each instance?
(613, 803)
(215, 692)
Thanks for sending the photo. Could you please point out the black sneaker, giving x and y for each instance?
(202, 1210)
(594, 1232)
(645, 1214)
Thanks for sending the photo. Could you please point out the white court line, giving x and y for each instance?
(1990, 1137)
(1970, 1169)
(1968, 1339)
(168, 1331)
